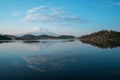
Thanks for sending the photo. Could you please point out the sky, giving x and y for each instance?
(70, 17)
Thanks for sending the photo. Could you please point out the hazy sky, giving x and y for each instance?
(74, 17)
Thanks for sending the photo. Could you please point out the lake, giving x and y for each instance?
(58, 60)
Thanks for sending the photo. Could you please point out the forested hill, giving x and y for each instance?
(103, 36)
(103, 39)
(2, 37)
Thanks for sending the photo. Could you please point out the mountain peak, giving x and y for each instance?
(37, 31)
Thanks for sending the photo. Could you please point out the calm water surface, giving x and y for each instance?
(58, 60)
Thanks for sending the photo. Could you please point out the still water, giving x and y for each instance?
(58, 60)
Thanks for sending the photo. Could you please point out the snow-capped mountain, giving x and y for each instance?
(40, 31)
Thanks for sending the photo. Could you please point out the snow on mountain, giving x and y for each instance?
(40, 31)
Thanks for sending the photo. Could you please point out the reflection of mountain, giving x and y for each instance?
(5, 41)
(39, 45)
(45, 63)
(103, 39)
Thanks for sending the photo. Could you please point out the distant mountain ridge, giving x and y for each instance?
(33, 37)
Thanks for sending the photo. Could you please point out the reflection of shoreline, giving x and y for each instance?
(42, 44)
(34, 45)
(6, 41)
(39, 45)
(102, 44)
(31, 41)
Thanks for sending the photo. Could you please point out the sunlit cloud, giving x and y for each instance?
(16, 13)
(45, 63)
(51, 18)
(50, 14)
(115, 4)
(17, 64)
(37, 9)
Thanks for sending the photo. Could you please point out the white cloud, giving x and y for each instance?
(40, 18)
(16, 13)
(58, 13)
(37, 9)
(115, 4)
(55, 8)
(78, 19)
(44, 8)
(38, 29)
(51, 18)
(50, 14)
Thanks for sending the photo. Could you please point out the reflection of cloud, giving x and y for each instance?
(38, 47)
(36, 68)
(17, 64)
(45, 63)
(17, 13)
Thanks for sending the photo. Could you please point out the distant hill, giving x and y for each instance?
(66, 37)
(103, 38)
(28, 37)
(3, 37)
(33, 37)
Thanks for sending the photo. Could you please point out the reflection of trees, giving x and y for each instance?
(6, 41)
(103, 44)
(51, 62)
(31, 41)
(116, 74)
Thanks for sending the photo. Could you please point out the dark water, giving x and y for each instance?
(58, 60)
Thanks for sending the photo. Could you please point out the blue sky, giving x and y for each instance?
(74, 17)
